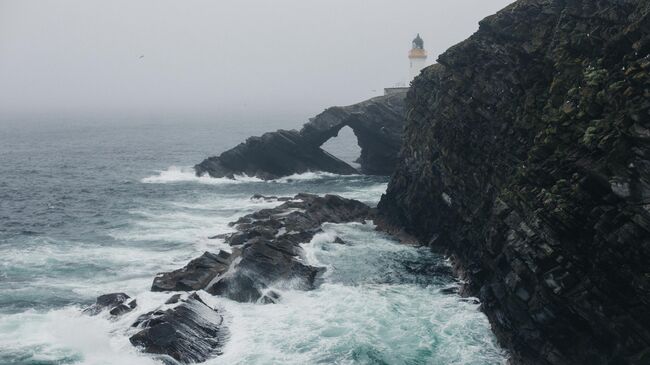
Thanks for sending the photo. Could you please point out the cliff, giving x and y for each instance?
(377, 124)
(525, 156)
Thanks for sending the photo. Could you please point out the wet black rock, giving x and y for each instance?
(339, 241)
(173, 299)
(377, 123)
(526, 156)
(266, 250)
(273, 155)
(123, 308)
(190, 332)
(196, 275)
(115, 303)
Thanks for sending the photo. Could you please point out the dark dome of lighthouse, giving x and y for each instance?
(418, 43)
(418, 48)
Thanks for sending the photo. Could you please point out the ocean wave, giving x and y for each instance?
(370, 194)
(306, 176)
(67, 336)
(369, 288)
(176, 174)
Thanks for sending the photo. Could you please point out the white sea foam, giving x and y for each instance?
(368, 310)
(68, 336)
(189, 222)
(306, 176)
(175, 174)
(360, 320)
(229, 203)
(367, 323)
(369, 194)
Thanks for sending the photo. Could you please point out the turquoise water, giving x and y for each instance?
(87, 210)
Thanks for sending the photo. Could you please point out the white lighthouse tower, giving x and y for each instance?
(418, 57)
(418, 61)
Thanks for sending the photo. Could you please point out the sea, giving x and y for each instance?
(102, 206)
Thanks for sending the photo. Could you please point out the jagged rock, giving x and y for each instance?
(114, 302)
(265, 250)
(196, 275)
(265, 263)
(339, 241)
(525, 157)
(124, 308)
(377, 123)
(190, 332)
(273, 155)
(173, 299)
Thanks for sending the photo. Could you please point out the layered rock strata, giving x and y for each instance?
(187, 330)
(526, 156)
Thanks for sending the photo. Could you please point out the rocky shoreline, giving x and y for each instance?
(265, 254)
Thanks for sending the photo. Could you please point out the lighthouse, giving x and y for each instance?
(418, 61)
(417, 57)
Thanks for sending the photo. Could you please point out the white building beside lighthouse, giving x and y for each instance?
(417, 57)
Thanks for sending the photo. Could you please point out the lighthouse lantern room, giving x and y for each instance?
(417, 57)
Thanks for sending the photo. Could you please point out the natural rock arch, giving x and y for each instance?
(345, 146)
(377, 124)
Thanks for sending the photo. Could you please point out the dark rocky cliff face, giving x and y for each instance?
(377, 124)
(525, 156)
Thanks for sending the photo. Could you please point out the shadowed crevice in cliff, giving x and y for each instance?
(526, 156)
(377, 124)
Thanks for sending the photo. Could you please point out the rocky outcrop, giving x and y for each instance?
(116, 304)
(273, 155)
(266, 251)
(525, 156)
(184, 328)
(377, 123)
(196, 275)
(189, 331)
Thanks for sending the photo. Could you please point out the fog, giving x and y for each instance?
(210, 58)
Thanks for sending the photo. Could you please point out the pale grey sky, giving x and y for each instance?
(230, 57)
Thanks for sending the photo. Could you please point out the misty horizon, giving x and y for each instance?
(236, 59)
